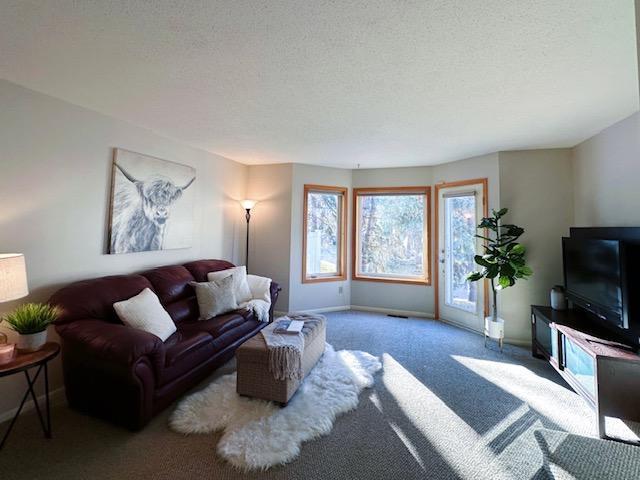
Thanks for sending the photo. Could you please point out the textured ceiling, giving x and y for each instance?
(378, 82)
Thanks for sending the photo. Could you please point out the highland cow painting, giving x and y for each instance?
(151, 204)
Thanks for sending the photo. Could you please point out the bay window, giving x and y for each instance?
(391, 234)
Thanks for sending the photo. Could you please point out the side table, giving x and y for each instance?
(23, 362)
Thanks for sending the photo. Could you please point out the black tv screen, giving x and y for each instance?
(593, 272)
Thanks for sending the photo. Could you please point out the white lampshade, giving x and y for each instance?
(13, 277)
(248, 204)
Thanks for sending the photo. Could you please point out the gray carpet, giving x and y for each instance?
(570, 456)
(443, 407)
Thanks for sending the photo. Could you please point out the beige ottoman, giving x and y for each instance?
(255, 379)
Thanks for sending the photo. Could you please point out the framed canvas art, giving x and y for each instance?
(151, 204)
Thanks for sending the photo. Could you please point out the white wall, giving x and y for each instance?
(607, 176)
(308, 296)
(270, 239)
(54, 191)
(536, 186)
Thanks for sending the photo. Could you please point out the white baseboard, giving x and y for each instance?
(340, 308)
(392, 311)
(56, 397)
(511, 341)
(518, 342)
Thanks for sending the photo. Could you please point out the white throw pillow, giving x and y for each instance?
(240, 285)
(145, 312)
(215, 297)
(260, 287)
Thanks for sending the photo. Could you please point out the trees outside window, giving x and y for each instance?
(391, 234)
(324, 241)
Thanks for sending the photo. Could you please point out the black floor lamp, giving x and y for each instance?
(247, 205)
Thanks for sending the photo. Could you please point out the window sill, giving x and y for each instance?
(405, 281)
(336, 278)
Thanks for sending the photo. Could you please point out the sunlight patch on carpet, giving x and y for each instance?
(535, 391)
(441, 426)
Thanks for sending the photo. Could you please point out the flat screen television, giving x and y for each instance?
(594, 273)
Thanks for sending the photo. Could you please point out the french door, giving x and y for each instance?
(460, 208)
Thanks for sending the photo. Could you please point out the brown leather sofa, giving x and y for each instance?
(126, 375)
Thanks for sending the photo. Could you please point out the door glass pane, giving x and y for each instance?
(460, 248)
(323, 214)
(391, 234)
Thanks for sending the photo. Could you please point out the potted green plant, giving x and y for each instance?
(30, 322)
(503, 263)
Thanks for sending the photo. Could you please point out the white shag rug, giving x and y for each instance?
(260, 434)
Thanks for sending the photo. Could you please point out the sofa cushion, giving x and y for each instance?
(95, 298)
(215, 297)
(240, 284)
(185, 310)
(200, 268)
(234, 334)
(260, 288)
(144, 312)
(184, 351)
(216, 326)
(171, 283)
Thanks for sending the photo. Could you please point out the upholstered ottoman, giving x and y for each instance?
(252, 357)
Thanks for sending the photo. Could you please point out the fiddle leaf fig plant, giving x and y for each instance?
(503, 262)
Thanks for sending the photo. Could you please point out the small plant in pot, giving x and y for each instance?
(503, 263)
(30, 322)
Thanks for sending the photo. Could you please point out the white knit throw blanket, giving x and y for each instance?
(285, 352)
(260, 308)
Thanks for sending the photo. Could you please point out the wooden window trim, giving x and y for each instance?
(355, 251)
(342, 240)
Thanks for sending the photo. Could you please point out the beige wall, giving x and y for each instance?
(54, 191)
(536, 186)
(309, 296)
(412, 298)
(270, 240)
(607, 176)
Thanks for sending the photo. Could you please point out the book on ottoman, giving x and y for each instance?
(289, 326)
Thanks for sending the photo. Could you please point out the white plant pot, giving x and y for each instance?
(32, 342)
(494, 330)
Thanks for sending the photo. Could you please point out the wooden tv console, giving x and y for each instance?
(604, 372)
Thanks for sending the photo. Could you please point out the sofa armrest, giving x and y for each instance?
(112, 343)
(275, 292)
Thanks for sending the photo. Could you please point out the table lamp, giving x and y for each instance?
(13, 285)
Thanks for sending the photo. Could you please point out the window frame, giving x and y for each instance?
(355, 241)
(342, 236)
